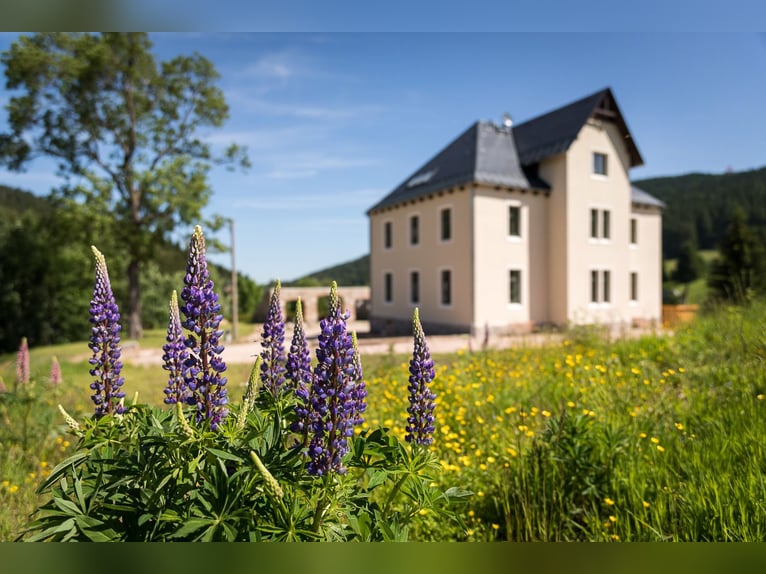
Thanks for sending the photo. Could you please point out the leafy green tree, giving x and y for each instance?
(124, 130)
(740, 270)
(690, 265)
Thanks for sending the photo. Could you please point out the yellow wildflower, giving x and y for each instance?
(608, 501)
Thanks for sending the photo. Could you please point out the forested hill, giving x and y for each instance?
(701, 204)
(351, 273)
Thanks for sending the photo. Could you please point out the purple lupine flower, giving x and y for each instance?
(420, 423)
(55, 378)
(175, 356)
(331, 397)
(359, 393)
(202, 312)
(298, 372)
(273, 357)
(22, 362)
(105, 344)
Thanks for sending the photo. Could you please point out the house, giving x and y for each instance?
(511, 227)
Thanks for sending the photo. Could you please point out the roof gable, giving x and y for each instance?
(553, 132)
(484, 153)
(508, 157)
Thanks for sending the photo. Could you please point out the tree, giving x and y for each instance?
(124, 131)
(690, 265)
(740, 270)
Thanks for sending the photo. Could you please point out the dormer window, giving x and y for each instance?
(599, 163)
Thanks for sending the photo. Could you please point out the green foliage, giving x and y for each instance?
(123, 128)
(740, 271)
(149, 475)
(704, 203)
(690, 265)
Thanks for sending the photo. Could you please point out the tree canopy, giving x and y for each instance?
(124, 130)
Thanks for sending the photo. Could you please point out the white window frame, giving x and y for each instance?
(388, 272)
(634, 273)
(633, 227)
(523, 290)
(600, 271)
(600, 209)
(388, 223)
(420, 286)
(442, 209)
(594, 174)
(439, 292)
(410, 217)
(522, 220)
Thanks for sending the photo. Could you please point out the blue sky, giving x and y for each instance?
(334, 121)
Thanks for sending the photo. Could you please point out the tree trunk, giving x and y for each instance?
(134, 300)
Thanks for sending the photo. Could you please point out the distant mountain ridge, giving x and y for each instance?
(699, 205)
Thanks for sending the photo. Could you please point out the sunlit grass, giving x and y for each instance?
(661, 438)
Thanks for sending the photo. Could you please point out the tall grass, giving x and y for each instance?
(660, 438)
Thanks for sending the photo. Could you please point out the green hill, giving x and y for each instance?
(699, 205)
(351, 273)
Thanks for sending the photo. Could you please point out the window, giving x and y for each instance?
(594, 286)
(634, 286)
(414, 287)
(600, 224)
(600, 286)
(514, 221)
(515, 286)
(414, 230)
(599, 163)
(387, 237)
(633, 231)
(594, 223)
(446, 287)
(446, 224)
(388, 287)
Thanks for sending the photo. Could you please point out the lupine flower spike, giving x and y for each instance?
(175, 356)
(331, 397)
(202, 312)
(273, 345)
(248, 400)
(105, 344)
(298, 372)
(298, 365)
(56, 378)
(420, 423)
(70, 420)
(22, 362)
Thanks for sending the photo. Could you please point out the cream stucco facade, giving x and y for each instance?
(572, 243)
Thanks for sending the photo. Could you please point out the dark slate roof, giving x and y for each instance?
(484, 153)
(553, 133)
(640, 197)
(508, 157)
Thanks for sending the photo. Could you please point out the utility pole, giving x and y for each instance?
(234, 293)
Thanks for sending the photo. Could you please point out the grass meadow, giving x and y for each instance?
(661, 438)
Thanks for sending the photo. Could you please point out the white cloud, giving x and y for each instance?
(307, 111)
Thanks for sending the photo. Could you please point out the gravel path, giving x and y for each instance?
(246, 350)
(249, 347)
